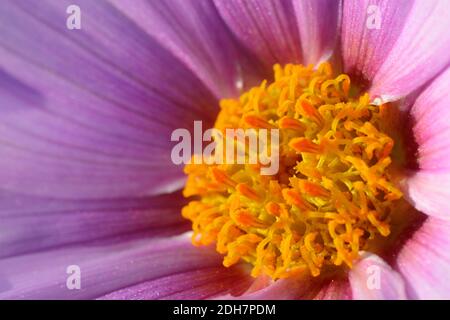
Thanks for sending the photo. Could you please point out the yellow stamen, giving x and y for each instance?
(333, 193)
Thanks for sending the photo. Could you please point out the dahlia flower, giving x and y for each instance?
(358, 90)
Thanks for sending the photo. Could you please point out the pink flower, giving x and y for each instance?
(85, 169)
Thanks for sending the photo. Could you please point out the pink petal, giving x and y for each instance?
(105, 267)
(431, 114)
(428, 188)
(410, 47)
(283, 289)
(424, 261)
(373, 279)
(335, 290)
(429, 192)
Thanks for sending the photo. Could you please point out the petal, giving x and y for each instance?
(32, 224)
(372, 279)
(85, 115)
(193, 284)
(397, 56)
(194, 32)
(424, 261)
(318, 25)
(428, 188)
(267, 28)
(430, 114)
(104, 267)
(283, 289)
(335, 290)
(429, 191)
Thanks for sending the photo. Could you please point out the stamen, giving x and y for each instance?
(248, 192)
(304, 145)
(332, 196)
(307, 110)
(257, 122)
(289, 123)
(221, 177)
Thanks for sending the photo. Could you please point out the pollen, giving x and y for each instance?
(332, 196)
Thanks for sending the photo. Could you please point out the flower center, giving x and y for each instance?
(332, 195)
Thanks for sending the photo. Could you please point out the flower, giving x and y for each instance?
(87, 183)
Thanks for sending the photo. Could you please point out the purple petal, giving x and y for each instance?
(372, 279)
(105, 267)
(194, 32)
(85, 115)
(429, 187)
(193, 284)
(424, 261)
(31, 224)
(267, 28)
(318, 26)
(410, 46)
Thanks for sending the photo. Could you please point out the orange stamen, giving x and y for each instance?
(257, 122)
(304, 145)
